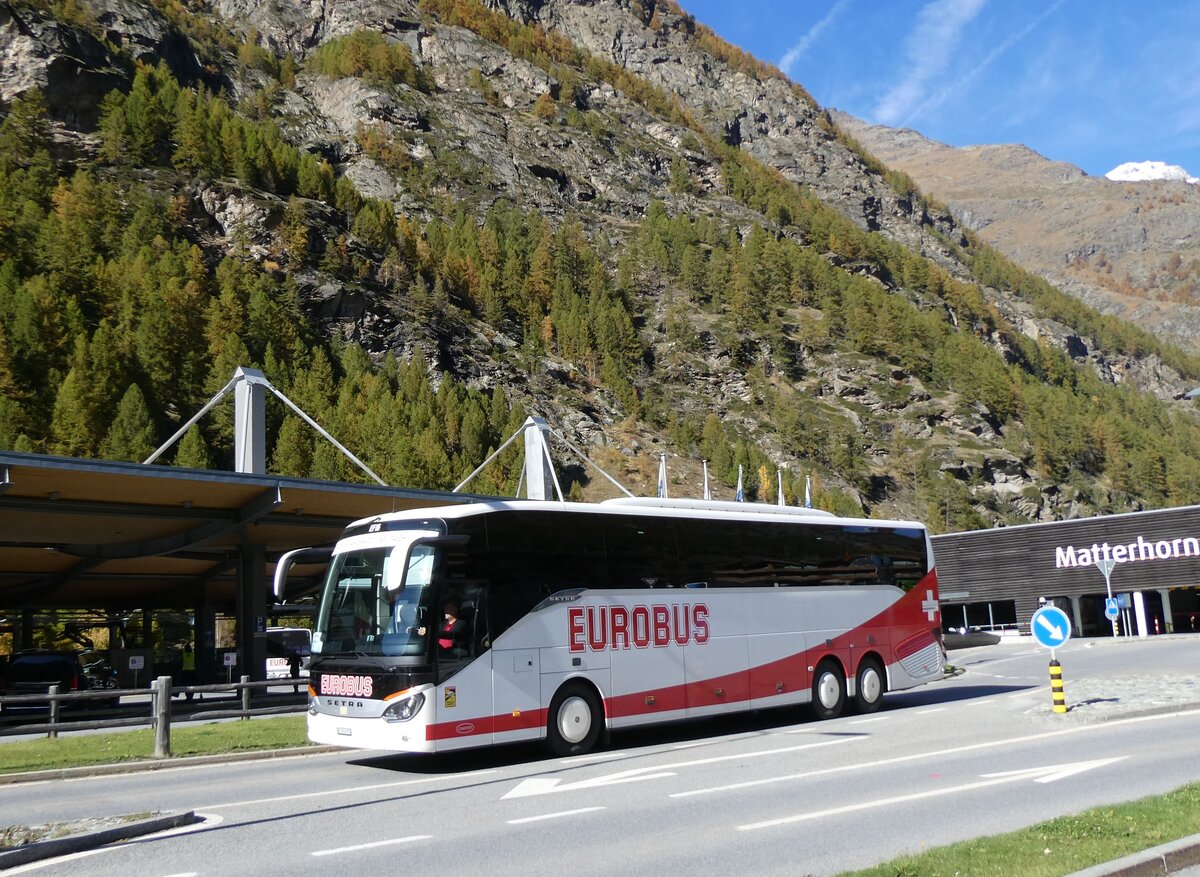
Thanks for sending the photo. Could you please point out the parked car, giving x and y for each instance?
(33, 671)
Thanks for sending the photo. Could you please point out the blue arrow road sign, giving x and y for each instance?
(1050, 627)
(1111, 610)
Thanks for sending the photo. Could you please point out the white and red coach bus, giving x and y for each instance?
(504, 621)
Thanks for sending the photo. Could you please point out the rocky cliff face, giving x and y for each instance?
(600, 156)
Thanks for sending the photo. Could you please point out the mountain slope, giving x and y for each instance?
(1125, 248)
(424, 219)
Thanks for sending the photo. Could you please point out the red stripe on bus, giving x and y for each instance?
(486, 725)
(906, 617)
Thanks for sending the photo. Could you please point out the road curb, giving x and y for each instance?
(77, 843)
(120, 767)
(1164, 859)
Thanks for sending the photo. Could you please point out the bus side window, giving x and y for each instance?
(642, 552)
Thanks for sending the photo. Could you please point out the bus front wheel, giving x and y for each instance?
(574, 720)
(869, 686)
(828, 690)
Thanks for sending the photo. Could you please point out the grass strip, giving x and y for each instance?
(213, 738)
(1059, 846)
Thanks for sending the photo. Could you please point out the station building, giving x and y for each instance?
(996, 579)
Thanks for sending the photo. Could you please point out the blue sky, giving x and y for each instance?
(1091, 82)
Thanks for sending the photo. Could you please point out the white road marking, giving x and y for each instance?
(344, 790)
(373, 844)
(45, 863)
(585, 759)
(867, 721)
(1046, 774)
(936, 709)
(557, 815)
(546, 785)
(917, 756)
(1054, 773)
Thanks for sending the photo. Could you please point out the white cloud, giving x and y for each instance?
(927, 49)
(792, 55)
(963, 82)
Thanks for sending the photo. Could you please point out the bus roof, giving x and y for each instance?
(650, 506)
(712, 505)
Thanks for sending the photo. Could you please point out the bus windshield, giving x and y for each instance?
(370, 607)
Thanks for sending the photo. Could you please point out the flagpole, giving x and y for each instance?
(779, 477)
(740, 496)
(662, 476)
(707, 492)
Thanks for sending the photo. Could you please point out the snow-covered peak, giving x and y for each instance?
(1139, 171)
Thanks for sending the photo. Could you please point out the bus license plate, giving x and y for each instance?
(345, 732)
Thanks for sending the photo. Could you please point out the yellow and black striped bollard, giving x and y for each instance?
(1056, 687)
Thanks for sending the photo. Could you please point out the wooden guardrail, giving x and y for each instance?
(235, 700)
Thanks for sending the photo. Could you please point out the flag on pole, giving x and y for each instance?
(662, 476)
(740, 496)
(707, 492)
(808, 491)
(779, 479)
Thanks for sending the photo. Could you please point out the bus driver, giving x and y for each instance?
(452, 631)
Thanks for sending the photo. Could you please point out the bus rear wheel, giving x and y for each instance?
(574, 720)
(828, 690)
(869, 686)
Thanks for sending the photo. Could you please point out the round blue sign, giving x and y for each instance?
(1050, 627)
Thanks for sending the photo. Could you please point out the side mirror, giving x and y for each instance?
(284, 565)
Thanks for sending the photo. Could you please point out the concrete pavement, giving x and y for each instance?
(1115, 696)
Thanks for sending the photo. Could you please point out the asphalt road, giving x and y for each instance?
(772, 793)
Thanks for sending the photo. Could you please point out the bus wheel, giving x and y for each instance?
(574, 720)
(829, 690)
(868, 691)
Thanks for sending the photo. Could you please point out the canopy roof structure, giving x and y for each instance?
(108, 536)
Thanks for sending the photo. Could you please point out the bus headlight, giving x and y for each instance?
(404, 708)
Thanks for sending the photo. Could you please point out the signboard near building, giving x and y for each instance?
(1006, 570)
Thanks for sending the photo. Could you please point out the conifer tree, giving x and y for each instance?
(314, 179)
(132, 434)
(73, 427)
(293, 452)
(716, 448)
(147, 119)
(191, 155)
(681, 178)
(25, 135)
(313, 386)
(70, 240)
(113, 128)
(14, 421)
(87, 400)
(193, 452)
